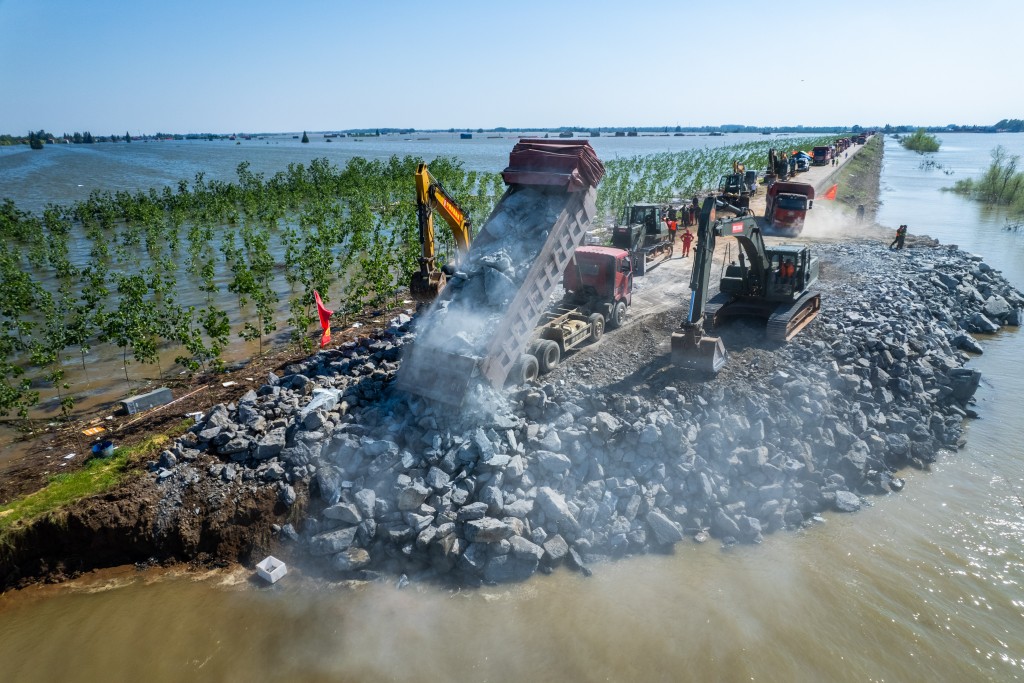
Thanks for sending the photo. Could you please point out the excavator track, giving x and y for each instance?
(712, 307)
(788, 320)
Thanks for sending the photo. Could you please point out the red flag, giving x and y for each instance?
(831, 194)
(325, 319)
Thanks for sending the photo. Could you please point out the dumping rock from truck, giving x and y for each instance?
(480, 324)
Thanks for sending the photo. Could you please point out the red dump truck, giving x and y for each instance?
(821, 155)
(787, 206)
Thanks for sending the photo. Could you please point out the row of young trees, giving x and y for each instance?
(197, 267)
(194, 266)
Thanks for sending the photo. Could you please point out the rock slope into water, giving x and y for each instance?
(618, 453)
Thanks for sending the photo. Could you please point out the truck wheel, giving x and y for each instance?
(596, 326)
(525, 370)
(548, 355)
(618, 315)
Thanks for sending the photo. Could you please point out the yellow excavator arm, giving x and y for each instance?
(431, 196)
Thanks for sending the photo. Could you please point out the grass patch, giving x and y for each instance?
(858, 177)
(97, 476)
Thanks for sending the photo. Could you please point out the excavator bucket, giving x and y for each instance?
(426, 286)
(693, 351)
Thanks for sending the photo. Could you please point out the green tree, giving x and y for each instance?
(921, 141)
(305, 138)
(127, 138)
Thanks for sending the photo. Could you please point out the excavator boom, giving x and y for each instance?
(431, 196)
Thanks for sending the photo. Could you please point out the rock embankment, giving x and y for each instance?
(571, 471)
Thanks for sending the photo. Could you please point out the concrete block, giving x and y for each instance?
(140, 402)
(270, 569)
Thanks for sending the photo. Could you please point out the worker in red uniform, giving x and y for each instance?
(671, 229)
(687, 241)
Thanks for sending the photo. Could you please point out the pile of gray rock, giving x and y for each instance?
(569, 472)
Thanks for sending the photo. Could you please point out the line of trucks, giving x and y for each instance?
(531, 335)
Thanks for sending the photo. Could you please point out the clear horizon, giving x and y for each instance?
(112, 66)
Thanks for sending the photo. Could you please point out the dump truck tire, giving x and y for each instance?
(617, 316)
(525, 370)
(548, 356)
(596, 326)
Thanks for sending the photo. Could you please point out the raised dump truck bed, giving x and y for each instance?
(479, 327)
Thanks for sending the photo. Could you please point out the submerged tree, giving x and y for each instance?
(921, 142)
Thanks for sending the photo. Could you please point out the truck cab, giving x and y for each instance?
(597, 277)
(787, 205)
(821, 155)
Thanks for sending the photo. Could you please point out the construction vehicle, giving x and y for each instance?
(453, 351)
(431, 196)
(821, 155)
(786, 207)
(772, 283)
(733, 187)
(803, 161)
(644, 234)
(778, 167)
(598, 285)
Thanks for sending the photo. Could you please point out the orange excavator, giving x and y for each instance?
(431, 196)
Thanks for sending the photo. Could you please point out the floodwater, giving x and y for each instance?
(64, 174)
(923, 585)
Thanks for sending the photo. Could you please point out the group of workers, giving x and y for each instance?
(688, 214)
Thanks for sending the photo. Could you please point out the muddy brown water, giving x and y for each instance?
(922, 585)
(906, 590)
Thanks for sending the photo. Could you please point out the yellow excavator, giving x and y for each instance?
(431, 196)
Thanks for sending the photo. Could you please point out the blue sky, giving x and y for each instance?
(258, 66)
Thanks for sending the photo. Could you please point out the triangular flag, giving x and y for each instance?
(831, 194)
(325, 319)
